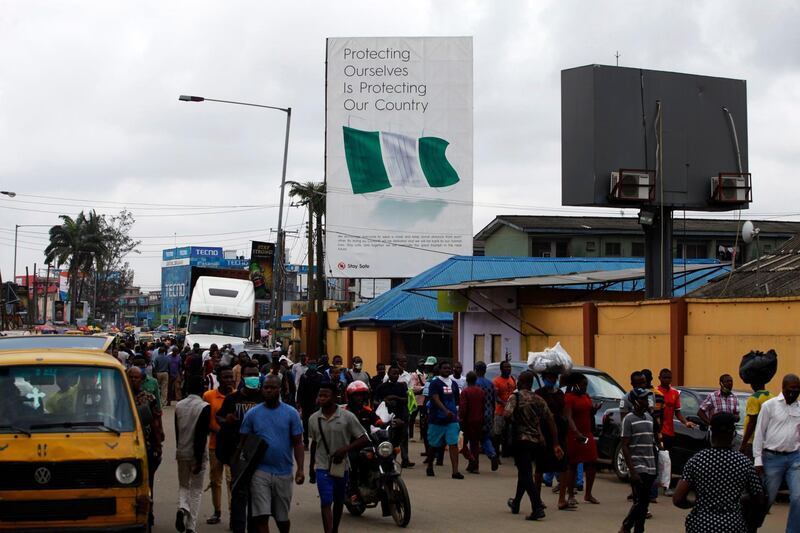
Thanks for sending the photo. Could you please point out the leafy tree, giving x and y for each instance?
(93, 248)
(75, 243)
(112, 272)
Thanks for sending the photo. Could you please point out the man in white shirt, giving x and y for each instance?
(405, 375)
(776, 446)
(461, 380)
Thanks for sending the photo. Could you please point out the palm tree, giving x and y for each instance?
(312, 195)
(76, 243)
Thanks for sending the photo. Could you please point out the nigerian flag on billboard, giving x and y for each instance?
(378, 160)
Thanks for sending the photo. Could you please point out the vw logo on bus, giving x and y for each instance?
(42, 475)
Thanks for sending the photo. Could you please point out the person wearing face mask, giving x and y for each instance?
(357, 373)
(776, 448)
(229, 417)
(719, 401)
(217, 468)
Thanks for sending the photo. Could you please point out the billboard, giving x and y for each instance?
(398, 161)
(175, 291)
(620, 120)
(194, 255)
(262, 257)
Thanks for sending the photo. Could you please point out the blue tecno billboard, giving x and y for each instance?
(197, 255)
(175, 291)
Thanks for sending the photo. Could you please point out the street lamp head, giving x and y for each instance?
(187, 98)
(9, 193)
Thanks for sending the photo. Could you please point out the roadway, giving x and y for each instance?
(444, 504)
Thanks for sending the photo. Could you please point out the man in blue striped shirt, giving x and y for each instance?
(638, 447)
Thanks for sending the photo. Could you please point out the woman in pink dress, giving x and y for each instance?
(581, 448)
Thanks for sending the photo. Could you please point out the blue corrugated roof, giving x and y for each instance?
(398, 305)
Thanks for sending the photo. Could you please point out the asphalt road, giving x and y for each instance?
(443, 504)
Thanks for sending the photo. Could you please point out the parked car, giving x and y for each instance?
(601, 387)
(687, 441)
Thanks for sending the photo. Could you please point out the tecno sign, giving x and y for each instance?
(208, 252)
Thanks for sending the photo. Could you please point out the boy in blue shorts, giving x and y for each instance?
(335, 432)
(443, 419)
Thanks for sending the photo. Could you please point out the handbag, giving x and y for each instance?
(334, 469)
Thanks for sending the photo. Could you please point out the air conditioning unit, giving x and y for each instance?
(632, 185)
(730, 189)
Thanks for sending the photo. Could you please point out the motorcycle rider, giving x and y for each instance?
(357, 394)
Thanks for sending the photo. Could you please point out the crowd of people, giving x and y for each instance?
(327, 408)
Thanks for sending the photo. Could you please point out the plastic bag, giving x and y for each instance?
(758, 367)
(383, 413)
(664, 469)
(555, 359)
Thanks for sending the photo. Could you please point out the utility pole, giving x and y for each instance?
(310, 285)
(321, 289)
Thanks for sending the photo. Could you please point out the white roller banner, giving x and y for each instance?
(398, 154)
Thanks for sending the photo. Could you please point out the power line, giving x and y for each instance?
(101, 205)
(160, 215)
(123, 204)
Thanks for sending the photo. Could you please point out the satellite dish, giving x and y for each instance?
(748, 232)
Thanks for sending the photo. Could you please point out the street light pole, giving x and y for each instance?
(277, 280)
(278, 262)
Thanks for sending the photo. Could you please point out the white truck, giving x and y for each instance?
(221, 311)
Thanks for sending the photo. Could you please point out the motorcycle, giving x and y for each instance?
(378, 479)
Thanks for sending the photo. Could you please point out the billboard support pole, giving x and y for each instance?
(658, 255)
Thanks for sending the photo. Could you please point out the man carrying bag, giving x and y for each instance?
(280, 427)
(335, 432)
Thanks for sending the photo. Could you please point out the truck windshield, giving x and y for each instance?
(59, 398)
(217, 325)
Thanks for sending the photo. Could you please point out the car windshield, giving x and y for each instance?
(217, 325)
(602, 386)
(50, 398)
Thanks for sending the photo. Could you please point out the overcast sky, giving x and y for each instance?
(89, 108)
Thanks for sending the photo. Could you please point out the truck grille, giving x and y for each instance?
(39, 510)
(61, 475)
